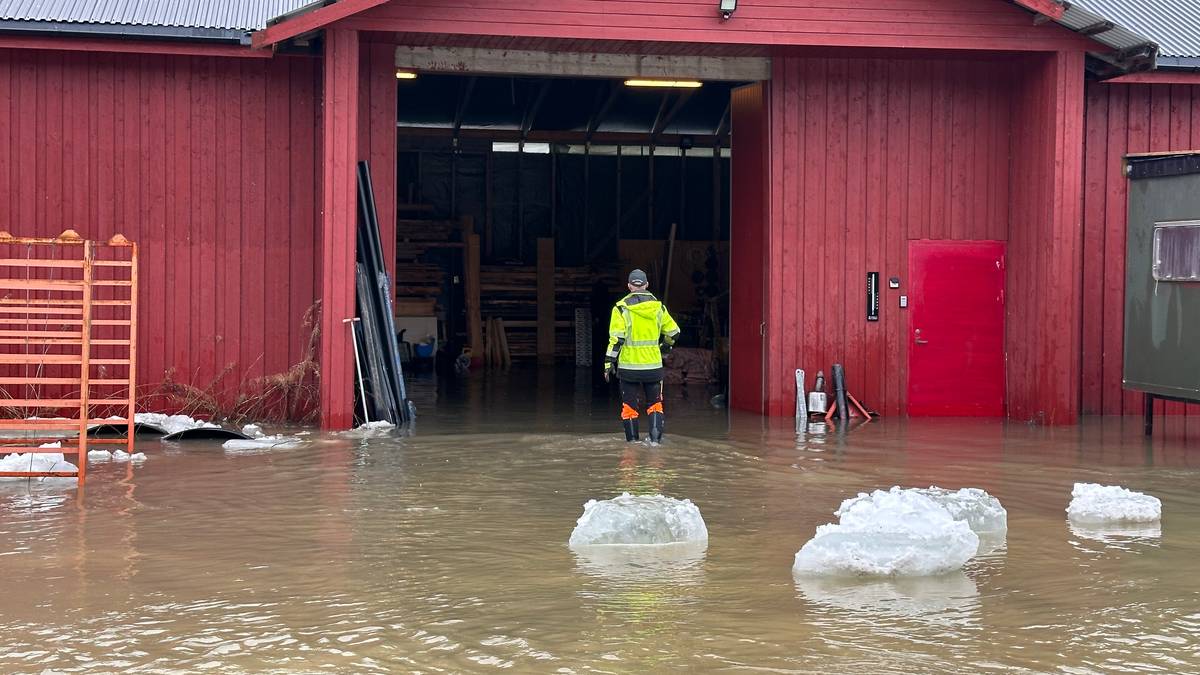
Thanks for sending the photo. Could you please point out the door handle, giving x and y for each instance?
(918, 338)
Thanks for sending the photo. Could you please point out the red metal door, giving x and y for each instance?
(956, 328)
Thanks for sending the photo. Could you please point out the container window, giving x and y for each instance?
(1177, 251)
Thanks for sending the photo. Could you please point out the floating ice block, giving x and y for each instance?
(895, 533)
(632, 519)
(1092, 503)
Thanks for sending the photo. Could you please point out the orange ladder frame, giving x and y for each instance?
(47, 323)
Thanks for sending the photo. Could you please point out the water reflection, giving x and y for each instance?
(1118, 534)
(949, 598)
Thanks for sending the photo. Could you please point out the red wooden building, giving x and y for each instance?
(924, 140)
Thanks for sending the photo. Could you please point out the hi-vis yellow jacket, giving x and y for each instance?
(639, 322)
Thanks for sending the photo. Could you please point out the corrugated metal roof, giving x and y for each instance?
(245, 15)
(1174, 25)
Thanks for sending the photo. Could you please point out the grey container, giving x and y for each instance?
(1162, 276)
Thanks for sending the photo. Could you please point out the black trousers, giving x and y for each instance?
(640, 397)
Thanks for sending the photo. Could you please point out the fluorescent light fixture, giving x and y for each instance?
(405, 75)
(726, 7)
(677, 84)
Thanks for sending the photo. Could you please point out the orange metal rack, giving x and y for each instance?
(68, 344)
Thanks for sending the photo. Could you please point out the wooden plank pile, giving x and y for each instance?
(509, 292)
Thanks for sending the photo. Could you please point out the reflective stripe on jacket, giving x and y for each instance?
(638, 325)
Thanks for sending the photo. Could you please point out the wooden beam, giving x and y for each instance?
(338, 222)
(462, 104)
(129, 46)
(1157, 77)
(543, 136)
(471, 274)
(531, 113)
(593, 125)
(666, 120)
(582, 64)
(1051, 8)
(723, 125)
(545, 301)
(305, 22)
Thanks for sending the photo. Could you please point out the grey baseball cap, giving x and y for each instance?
(637, 278)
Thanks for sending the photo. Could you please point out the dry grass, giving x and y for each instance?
(290, 396)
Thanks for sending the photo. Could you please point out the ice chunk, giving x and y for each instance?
(253, 431)
(38, 461)
(122, 456)
(261, 443)
(979, 509)
(171, 424)
(99, 455)
(1092, 503)
(895, 533)
(639, 520)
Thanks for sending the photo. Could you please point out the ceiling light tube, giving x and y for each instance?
(677, 84)
(405, 75)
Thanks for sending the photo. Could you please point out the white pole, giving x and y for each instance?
(362, 392)
(801, 401)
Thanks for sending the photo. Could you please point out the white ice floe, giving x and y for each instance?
(38, 461)
(261, 443)
(99, 455)
(122, 456)
(901, 532)
(253, 431)
(640, 520)
(981, 511)
(370, 429)
(171, 424)
(1092, 503)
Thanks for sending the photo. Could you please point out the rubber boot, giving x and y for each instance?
(631, 430)
(656, 427)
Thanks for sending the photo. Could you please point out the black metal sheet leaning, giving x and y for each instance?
(119, 430)
(205, 433)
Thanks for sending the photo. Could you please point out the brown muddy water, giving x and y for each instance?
(445, 551)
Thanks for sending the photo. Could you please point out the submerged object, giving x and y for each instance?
(639, 520)
(1094, 503)
(900, 532)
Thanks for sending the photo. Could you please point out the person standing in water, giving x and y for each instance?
(640, 331)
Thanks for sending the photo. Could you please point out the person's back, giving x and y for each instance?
(640, 330)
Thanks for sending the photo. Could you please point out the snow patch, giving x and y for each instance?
(171, 424)
(38, 461)
(1093, 503)
(261, 443)
(901, 532)
(641, 520)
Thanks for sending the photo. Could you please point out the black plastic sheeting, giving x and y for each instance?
(571, 197)
(375, 337)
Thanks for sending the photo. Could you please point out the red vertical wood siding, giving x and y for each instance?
(377, 136)
(207, 163)
(1045, 240)
(945, 24)
(339, 150)
(867, 154)
(749, 201)
(1121, 119)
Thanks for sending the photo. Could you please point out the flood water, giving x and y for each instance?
(445, 551)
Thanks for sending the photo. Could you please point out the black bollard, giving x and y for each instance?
(839, 391)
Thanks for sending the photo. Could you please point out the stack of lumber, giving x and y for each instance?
(415, 237)
(509, 292)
